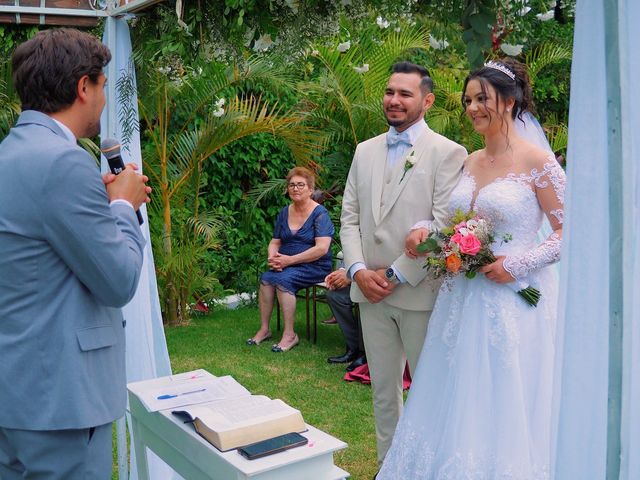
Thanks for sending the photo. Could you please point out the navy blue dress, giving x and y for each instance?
(295, 277)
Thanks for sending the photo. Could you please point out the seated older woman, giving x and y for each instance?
(298, 256)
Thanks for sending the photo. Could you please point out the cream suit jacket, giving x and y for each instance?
(374, 234)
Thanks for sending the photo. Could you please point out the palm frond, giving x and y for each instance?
(558, 136)
(9, 102)
(242, 118)
(208, 225)
(266, 189)
(91, 147)
(347, 103)
(544, 55)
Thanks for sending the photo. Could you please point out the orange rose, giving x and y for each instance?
(453, 263)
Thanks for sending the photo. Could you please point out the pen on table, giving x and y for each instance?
(167, 396)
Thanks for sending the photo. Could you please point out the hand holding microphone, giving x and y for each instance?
(127, 185)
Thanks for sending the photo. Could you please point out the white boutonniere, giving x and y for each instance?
(409, 162)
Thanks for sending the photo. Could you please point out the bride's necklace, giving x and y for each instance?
(493, 158)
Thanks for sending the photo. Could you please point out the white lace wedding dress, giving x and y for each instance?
(479, 407)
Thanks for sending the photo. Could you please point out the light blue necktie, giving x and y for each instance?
(393, 138)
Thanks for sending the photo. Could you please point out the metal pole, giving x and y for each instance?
(616, 227)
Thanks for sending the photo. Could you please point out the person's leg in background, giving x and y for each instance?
(266, 298)
(289, 338)
(342, 308)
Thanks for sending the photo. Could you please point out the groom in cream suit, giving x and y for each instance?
(396, 180)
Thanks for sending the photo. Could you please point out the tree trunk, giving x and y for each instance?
(171, 295)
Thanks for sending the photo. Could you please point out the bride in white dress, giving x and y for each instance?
(479, 407)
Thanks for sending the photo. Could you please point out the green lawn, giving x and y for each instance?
(301, 377)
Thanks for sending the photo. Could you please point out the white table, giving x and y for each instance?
(194, 458)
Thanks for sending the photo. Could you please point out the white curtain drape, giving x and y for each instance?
(146, 353)
(583, 335)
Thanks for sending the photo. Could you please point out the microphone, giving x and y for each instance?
(110, 148)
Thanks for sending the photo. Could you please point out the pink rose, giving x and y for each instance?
(469, 244)
(456, 237)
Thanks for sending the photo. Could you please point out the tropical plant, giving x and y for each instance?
(185, 121)
(447, 116)
(9, 103)
(545, 55)
(558, 136)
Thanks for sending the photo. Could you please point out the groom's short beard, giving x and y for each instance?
(394, 123)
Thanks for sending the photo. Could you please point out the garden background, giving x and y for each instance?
(233, 93)
(229, 103)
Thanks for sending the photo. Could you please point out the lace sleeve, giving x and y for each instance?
(549, 185)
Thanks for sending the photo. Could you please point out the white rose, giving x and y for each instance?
(437, 44)
(344, 46)
(543, 17)
(263, 43)
(382, 23)
(511, 50)
(219, 112)
(293, 5)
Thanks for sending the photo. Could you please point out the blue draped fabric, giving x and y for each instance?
(583, 400)
(147, 355)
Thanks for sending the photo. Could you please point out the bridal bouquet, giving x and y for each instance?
(463, 247)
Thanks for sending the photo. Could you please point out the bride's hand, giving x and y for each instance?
(414, 238)
(496, 272)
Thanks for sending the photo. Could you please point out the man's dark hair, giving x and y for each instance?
(47, 68)
(426, 85)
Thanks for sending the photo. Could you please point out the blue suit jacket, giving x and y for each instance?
(68, 261)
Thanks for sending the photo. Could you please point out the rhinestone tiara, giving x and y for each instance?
(502, 68)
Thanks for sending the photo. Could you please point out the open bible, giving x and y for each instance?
(235, 422)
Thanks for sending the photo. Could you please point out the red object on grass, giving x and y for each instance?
(361, 374)
(201, 307)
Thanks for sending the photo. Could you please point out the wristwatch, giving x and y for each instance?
(391, 276)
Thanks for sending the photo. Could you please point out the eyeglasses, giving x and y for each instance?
(299, 186)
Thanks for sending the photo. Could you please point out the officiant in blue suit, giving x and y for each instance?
(71, 257)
